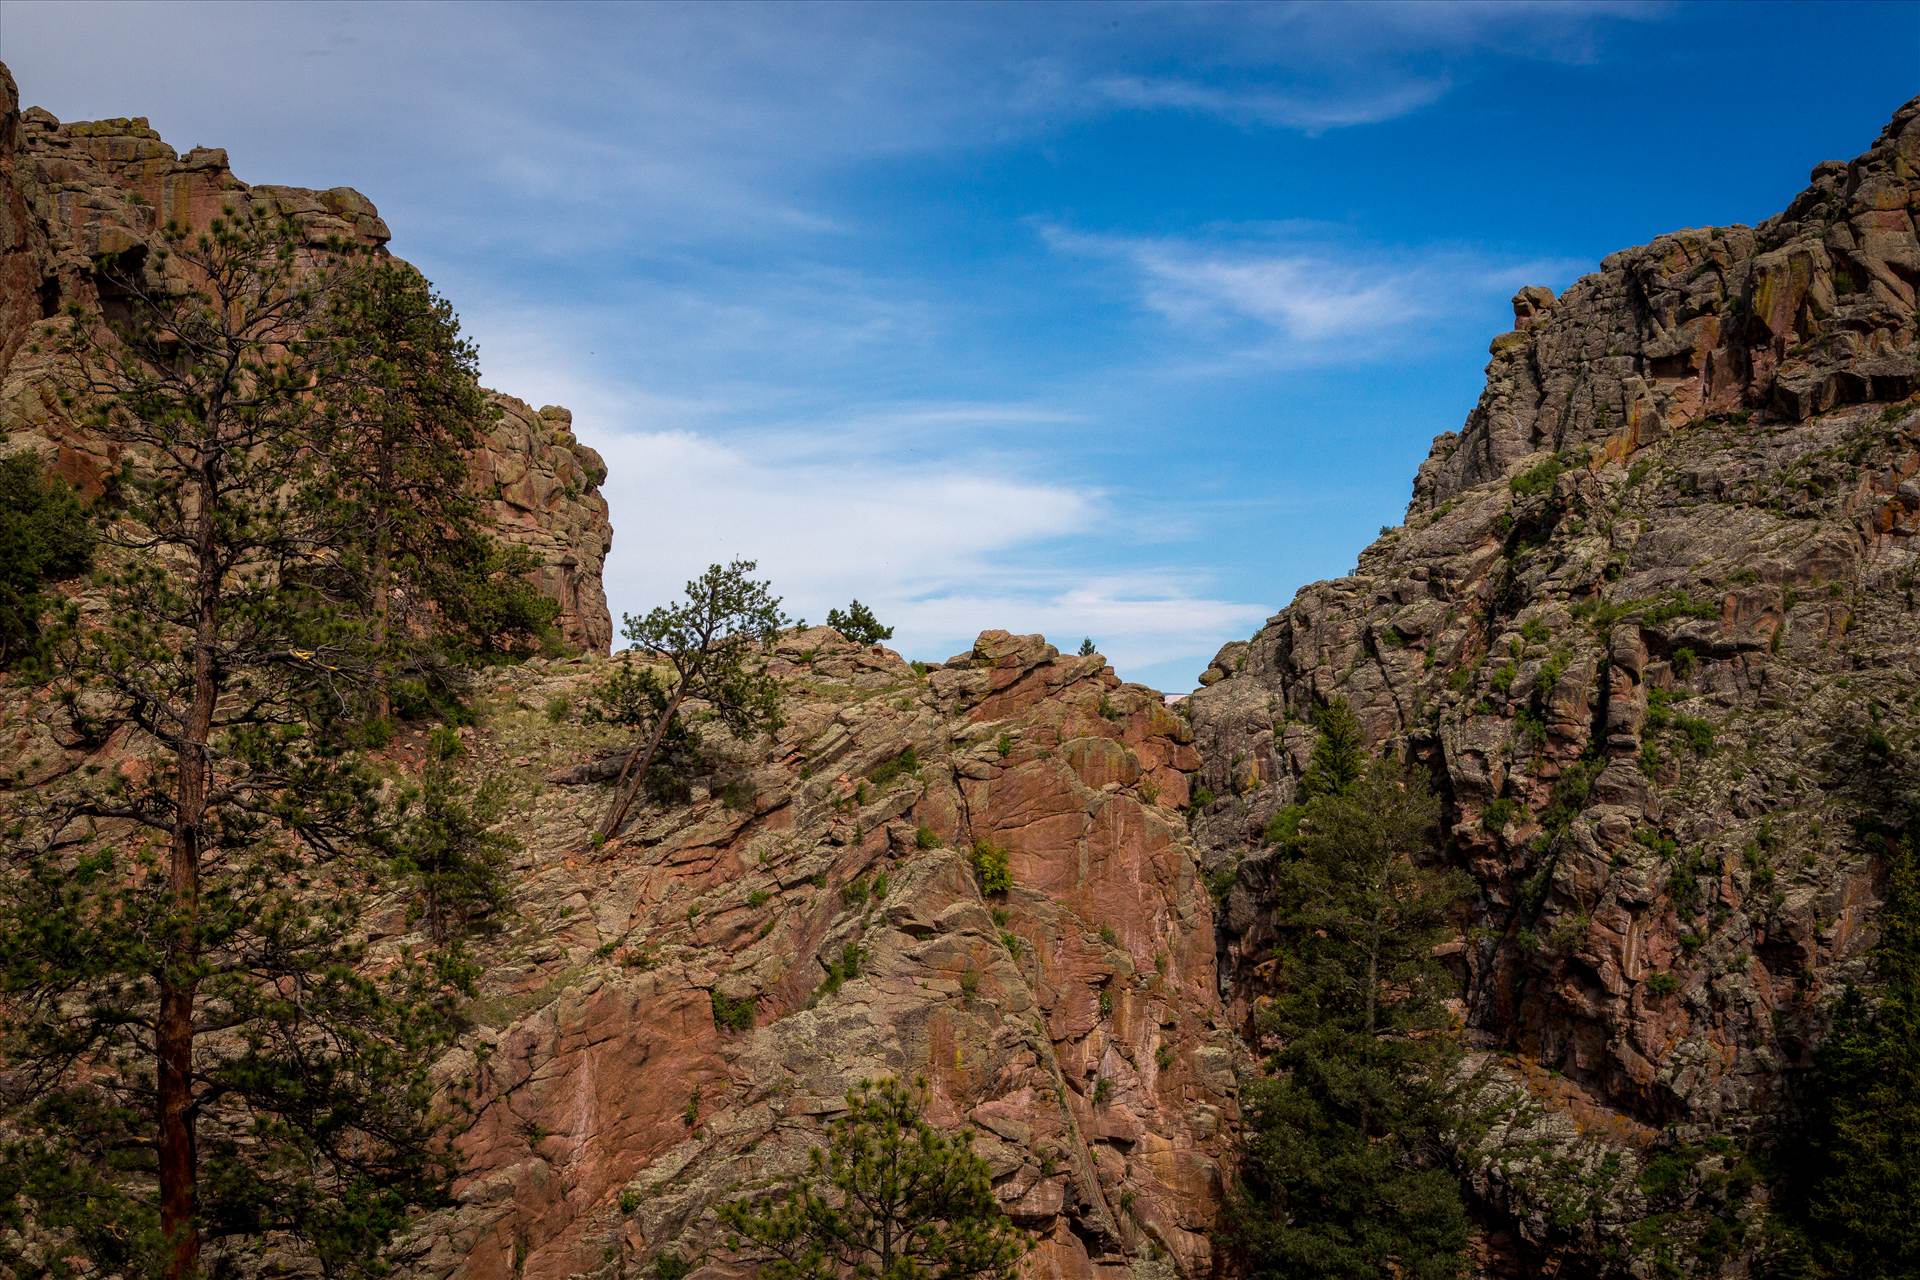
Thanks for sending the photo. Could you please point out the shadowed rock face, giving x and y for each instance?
(613, 1109)
(1639, 622)
(72, 193)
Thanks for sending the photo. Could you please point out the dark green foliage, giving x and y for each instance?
(1539, 478)
(990, 862)
(445, 844)
(926, 838)
(906, 764)
(845, 967)
(730, 1014)
(1339, 753)
(709, 640)
(1499, 814)
(858, 624)
(635, 697)
(1284, 826)
(400, 410)
(223, 887)
(1853, 1171)
(889, 1197)
(44, 539)
(1343, 1173)
(1086, 647)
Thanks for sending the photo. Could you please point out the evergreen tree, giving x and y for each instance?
(445, 844)
(1343, 1173)
(858, 624)
(44, 539)
(404, 408)
(198, 1068)
(890, 1197)
(709, 642)
(1086, 647)
(1339, 753)
(1846, 1205)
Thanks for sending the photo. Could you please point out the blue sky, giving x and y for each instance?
(1109, 320)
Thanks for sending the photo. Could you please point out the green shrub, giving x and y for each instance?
(845, 968)
(991, 864)
(1682, 660)
(1499, 814)
(558, 707)
(1535, 631)
(1662, 985)
(734, 1015)
(758, 898)
(906, 764)
(670, 1266)
(1201, 799)
(926, 838)
(1004, 745)
(1537, 479)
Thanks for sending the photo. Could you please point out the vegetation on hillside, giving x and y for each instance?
(201, 1068)
(708, 642)
(1343, 1171)
(44, 539)
(889, 1197)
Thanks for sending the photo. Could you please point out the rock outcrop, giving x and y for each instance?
(73, 193)
(1651, 624)
(673, 1015)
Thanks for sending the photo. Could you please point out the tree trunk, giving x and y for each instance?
(382, 569)
(383, 667)
(178, 980)
(628, 787)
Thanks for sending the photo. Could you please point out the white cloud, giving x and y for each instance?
(1267, 301)
(1308, 112)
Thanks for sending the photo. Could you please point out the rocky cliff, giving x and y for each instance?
(73, 193)
(672, 1016)
(1650, 622)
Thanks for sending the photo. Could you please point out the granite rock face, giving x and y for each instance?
(1651, 624)
(662, 1027)
(73, 193)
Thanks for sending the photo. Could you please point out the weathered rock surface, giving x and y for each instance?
(1649, 620)
(72, 193)
(1073, 1024)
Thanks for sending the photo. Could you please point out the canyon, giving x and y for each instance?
(1645, 615)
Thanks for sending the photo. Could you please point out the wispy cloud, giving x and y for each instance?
(1307, 112)
(1263, 300)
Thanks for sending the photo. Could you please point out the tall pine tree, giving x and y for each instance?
(199, 1061)
(402, 409)
(1343, 1172)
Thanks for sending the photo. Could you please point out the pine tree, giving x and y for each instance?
(890, 1197)
(709, 642)
(858, 624)
(44, 539)
(1086, 647)
(445, 844)
(1339, 753)
(403, 409)
(198, 1067)
(1343, 1173)
(1845, 1207)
